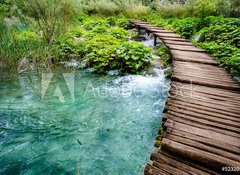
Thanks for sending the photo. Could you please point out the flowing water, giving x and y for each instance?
(101, 125)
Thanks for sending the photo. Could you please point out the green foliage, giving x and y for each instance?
(77, 31)
(119, 33)
(25, 35)
(102, 7)
(134, 57)
(5, 8)
(134, 9)
(123, 22)
(100, 53)
(22, 44)
(235, 8)
(205, 8)
(92, 23)
(187, 26)
(227, 55)
(169, 10)
(225, 33)
(165, 55)
(70, 47)
(104, 52)
(52, 17)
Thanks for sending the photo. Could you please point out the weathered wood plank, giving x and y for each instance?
(206, 133)
(185, 48)
(163, 159)
(207, 141)
(160, 35)
(204, 147)
(198, 155)
(151, 170)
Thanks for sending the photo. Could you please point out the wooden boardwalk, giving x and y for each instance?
(201, 120)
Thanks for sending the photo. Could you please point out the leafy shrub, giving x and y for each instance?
(225, 33)
(5, 8)
(100, 53)
(227, 55)
(187, 26)
(119, 33)
(77, 31)
(71, 47)
(134, 57)
(25, 35)
(104, 52)
(205, 8)
(123, 23)
(165, 55)
(90, 24)
(112, 20)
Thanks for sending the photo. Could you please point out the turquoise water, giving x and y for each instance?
(92, 125)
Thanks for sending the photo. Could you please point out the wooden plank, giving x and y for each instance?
(173, 35)
(185, 48)
(204, 119)
(225, 107)
(204, 157)
(206, 133)
(154, 28)
(192, 123)
(151, 170)
(203, 81)
(163, 159)
(207, 141)
(169, 169)
(219, 113)
(194, 96)
(208, 90)
(204, 147)
(179, 43)
(164, 38)
(189, 53)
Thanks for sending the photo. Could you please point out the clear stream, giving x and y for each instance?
(79, 123)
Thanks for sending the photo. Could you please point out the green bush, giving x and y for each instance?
(225, 33)
(227, 55)
(187, 26)
(70, 47)
(25, 35)
(89, 24)
(119, 33)
(165, 55)
(76, 31)
(104, 53)
(133, 57)
(123, 23)
(100, 53)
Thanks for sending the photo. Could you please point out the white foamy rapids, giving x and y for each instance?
(149, 40)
